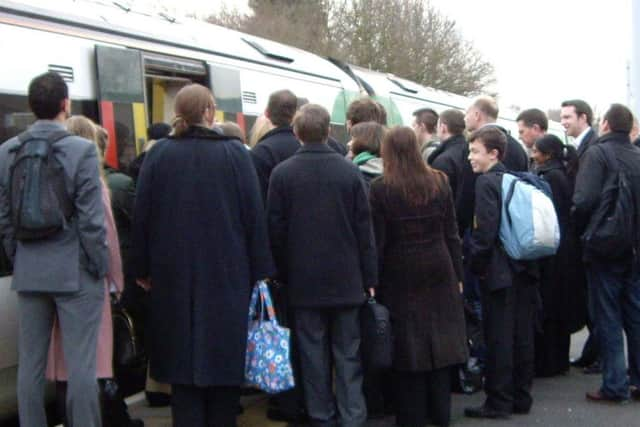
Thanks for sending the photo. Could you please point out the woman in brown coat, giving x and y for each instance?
(420, 278)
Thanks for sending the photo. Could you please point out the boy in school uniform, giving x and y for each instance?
(508, 289)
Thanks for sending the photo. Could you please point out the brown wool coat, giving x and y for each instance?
(420, 261)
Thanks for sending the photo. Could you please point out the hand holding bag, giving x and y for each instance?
(267, 363)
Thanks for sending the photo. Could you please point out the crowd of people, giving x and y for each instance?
(410, 216)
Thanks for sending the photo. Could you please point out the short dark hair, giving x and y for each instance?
(282, 107)
(533, 116)
(301, 102)
(492, 138)
(364, 110)
(487, 106)
(581, 107)
(427, 117)
(454, 120)
(620, 118)
(47, 93)
(311, 123)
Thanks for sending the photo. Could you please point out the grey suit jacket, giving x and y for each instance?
(53, 264)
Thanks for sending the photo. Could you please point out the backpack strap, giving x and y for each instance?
(57, 136)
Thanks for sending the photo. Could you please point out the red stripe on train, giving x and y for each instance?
(108, 122)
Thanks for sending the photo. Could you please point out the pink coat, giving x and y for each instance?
(56, 370)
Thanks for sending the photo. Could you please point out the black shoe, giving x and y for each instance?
(634, 392)
(484, 412)
(598, 396)
(521, 411)
(580, 362)
(276, 414)
(157, 399)
(593, 369)
(136, 422)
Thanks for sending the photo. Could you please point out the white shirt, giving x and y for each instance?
(580, 137)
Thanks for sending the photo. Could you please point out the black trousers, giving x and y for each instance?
(193, 406)
(329, 339)
(423, 397)
(508, 316)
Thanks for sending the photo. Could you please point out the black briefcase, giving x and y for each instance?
(376, 338)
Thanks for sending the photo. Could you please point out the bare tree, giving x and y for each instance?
(409, 38)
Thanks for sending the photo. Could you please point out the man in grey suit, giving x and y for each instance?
(61, 274)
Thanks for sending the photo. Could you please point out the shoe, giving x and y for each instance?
(634, 392)
(579, 363)
(136, 422)
(521, 411)
(593, 369)
(484, 412)
(275, 414)
(598, 396)
(157, 399)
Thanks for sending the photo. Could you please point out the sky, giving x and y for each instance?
(543, 51)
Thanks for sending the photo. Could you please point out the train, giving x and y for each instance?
(124, 68)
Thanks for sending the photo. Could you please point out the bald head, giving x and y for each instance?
(483, 110)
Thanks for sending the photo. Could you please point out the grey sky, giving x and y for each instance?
(543, 51)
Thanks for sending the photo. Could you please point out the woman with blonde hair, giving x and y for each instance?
(260, 128)
(200, 243)
(114, 411)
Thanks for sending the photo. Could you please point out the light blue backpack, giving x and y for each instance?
(529, 226)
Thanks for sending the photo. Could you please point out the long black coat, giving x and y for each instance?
(557, 287)
(420, 262)
(451, 157)
(200, 235)
(320, 229)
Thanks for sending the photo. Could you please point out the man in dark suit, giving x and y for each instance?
(614, 282)
(60, 274)
(484, 112)
(507, 286)
(322, 241)
(532, 125)
(576, 117)
(279, 143)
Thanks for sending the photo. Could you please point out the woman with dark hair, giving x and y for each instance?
(365, 145)
(420, 263)
(557, 164)
(200, 243)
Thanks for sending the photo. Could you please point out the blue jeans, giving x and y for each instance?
(615, 288)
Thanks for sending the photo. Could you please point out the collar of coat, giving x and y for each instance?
(316, 148)
(550, 165)
(201, 132)
(445, 145)
(618, 137)
(498, 167)
(281, 129)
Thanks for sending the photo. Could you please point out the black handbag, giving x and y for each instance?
(376, 337)
(127, 350)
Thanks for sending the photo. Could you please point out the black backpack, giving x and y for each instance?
(611, 231)
(40, 203)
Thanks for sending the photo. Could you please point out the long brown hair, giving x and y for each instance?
(404, 168)
(190, 104)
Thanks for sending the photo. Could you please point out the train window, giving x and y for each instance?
(225, 84)
(14, 115)
(119, 74)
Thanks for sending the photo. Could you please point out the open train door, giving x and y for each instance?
(121, 100)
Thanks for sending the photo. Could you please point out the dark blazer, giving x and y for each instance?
(200, 234)
(274, 147)
(320, 229)
(489, 261)
(589, 139)
(637, 142)
(451, 157)
(420, 260)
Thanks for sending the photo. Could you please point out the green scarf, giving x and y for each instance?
(363, 158)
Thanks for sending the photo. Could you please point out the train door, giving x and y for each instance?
(164, 76)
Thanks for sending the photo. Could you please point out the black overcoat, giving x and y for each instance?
(200, 235)
(420, 262)
(320, 229)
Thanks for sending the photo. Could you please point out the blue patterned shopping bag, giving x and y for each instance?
(267, 364)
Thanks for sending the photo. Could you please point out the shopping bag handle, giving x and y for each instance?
(261, 290)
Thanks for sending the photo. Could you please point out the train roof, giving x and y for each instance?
(181, 32)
